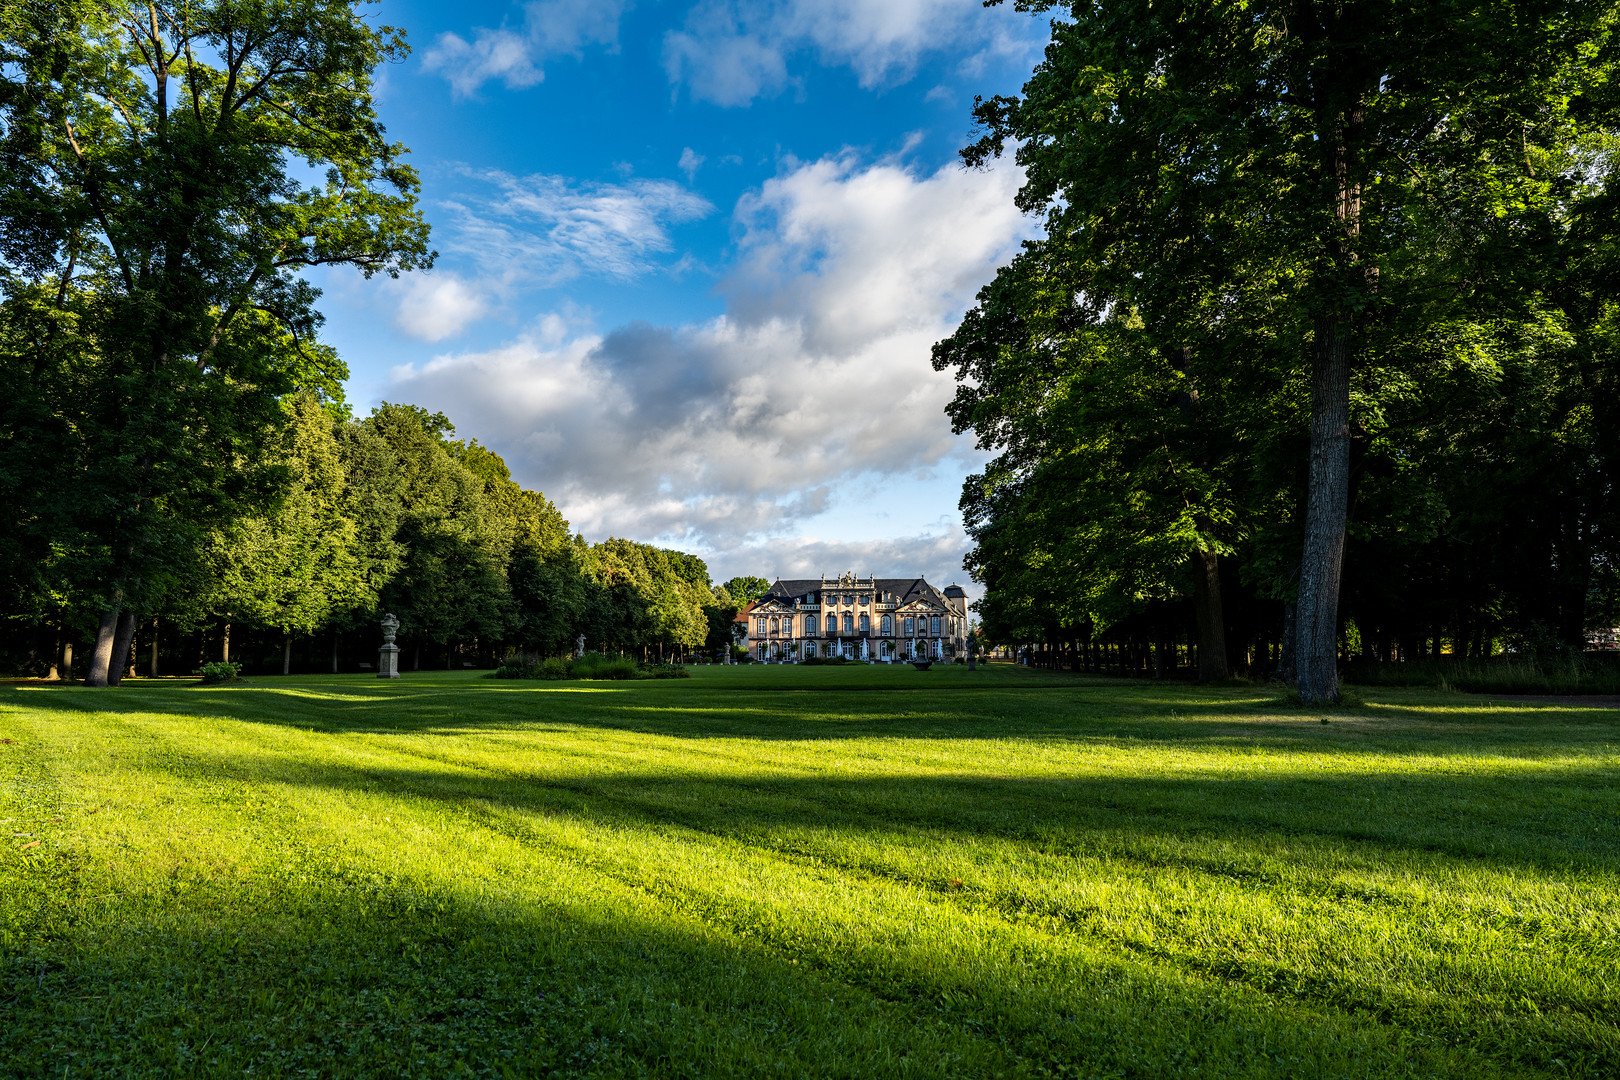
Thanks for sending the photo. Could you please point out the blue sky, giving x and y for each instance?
(692, 258)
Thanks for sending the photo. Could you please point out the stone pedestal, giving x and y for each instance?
(388, 655)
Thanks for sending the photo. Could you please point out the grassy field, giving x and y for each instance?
(803, 872)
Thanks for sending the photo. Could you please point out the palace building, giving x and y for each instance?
(870, 618)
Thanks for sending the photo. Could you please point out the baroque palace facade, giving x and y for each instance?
(868, 618)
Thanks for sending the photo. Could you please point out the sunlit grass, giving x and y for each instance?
(830, 872)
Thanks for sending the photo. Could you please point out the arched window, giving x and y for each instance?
(849, 623)
(832, 624)
(911, 627)
(887, 625)
(866, 623)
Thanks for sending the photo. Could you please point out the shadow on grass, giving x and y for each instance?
(1555, 816)
(1170, 716)
(359, 976)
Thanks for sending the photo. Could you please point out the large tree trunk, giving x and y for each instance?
(154, 648)
(286, 654)
(225, 645)
(67, 661)
(121, 648)
(101, 655)
(1327, 505)
(1206, 567)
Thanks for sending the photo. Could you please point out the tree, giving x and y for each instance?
(455, 545)
(301, 562)
(746, 590)
(1198, 157)
(156, 216)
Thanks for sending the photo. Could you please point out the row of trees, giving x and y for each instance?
(1318, 350)
(389, 513)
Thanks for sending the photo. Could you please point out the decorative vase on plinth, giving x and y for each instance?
(388, 655)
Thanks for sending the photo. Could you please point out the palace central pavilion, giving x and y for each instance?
(868, 618)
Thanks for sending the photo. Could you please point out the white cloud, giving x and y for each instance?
(937, 557)
(546, 229)
(690, 163)
(432, 307)
(552, 28)
(728, 432)
(732, 51)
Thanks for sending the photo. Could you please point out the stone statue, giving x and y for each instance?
(388, 655)
(579, 646)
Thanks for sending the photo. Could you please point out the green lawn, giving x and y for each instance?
(803, 872)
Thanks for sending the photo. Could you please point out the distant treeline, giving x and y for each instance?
(343, 519)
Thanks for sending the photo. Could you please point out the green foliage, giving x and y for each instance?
(152, 308)
(745, 590)
(662, 671)
(299, 563)
(1228, 187)
(998, 873)
(589, 666)
(1510, 674)
(220, 671)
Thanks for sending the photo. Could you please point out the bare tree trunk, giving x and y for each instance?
(122, 640)
(334, 652)
(101, 656)
(286, 654)
(67, 661)
(56, 651)
(1206, 569)
(225, 644)
(1322, 562)
(154, 647)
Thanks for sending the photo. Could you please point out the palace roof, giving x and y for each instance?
(906, 590)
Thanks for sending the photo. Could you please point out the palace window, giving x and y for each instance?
(887, 625)
(760, 632)
(832, 624)
(866, 623)
(933, 626)
(911, 627)
(849, 623)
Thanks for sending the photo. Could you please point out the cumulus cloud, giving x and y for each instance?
(547, 229)
(691, 161)
(729, 431)
(432, 307)
(551, 28)
(729, 52)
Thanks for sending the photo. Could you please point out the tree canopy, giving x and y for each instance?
(1296, 257)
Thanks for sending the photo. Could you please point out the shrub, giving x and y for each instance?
(220, 671)
(826, 661)
(596, 666)
(662, 671)
(1518, 674)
